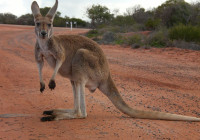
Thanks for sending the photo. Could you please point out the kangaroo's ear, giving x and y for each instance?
(35, 9)
(52, 11)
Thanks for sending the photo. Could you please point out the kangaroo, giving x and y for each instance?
(82, 61)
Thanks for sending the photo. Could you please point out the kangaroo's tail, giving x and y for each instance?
(110, 90)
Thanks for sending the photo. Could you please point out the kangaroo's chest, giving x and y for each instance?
(46, 53)
(49, 58)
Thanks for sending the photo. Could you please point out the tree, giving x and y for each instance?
(99, 15)
(45, 10)
(1, 18)
(174, 12)
(131, 10)
(80, 22)
(26, 19)
(115, 12)
(152, 24)
(140, 15)
(123, 20)
(8, 18)
(195, 14)
(58, 20)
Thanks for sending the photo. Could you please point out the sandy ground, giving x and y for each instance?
(156, 79)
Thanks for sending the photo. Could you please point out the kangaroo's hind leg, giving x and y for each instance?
(79, 110)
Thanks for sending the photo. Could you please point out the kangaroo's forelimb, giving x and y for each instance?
(40, 63)
(52, 83)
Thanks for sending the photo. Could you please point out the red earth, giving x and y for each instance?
(149, 79)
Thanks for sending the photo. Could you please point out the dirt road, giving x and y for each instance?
(156, 79)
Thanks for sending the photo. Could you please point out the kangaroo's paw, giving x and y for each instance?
(52, 84)
(42, 87)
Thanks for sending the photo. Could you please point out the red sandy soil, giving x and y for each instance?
(155, 79)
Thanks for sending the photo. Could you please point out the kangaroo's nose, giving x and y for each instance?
(43, 33)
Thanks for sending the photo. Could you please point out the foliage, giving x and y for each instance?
(157, 39)
(108, 37)
(25, 20)
(99, 15)
(185, 32)
(129, 40)
(123, 21)
(195, 14)
(152, 24)
(134, 39)
(92, 33)
(7, 18)
(174, 12)
(1, 18)
(45, 10)
(80, 22)
(159, 20)
(120, 40)
(59, 22)
(140, 15)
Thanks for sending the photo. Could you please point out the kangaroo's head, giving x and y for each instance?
(43, 25)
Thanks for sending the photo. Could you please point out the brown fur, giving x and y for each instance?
(84, 63)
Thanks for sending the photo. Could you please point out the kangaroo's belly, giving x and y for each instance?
(65, 70)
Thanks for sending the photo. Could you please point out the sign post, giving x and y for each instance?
(67, 23)
(71, 25)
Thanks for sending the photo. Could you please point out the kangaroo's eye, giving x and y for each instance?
(38, 24)
(49, 25)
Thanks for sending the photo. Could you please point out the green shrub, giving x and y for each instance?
(134, 39)
(187, 33)
(115, 29)
(157, 39)
(152, 24)
(108, 37)
(129, 40)
(120, 40)
(120, 29)
(123, 21)
(92, 34)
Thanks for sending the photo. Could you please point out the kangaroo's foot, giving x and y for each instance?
(52, 84)
(61, 114)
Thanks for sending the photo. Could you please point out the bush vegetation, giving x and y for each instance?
(173, 20)
(27, 19)
(186, 33)
(157, 39)
(128, 40)
(92, 33)
(134, 39)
